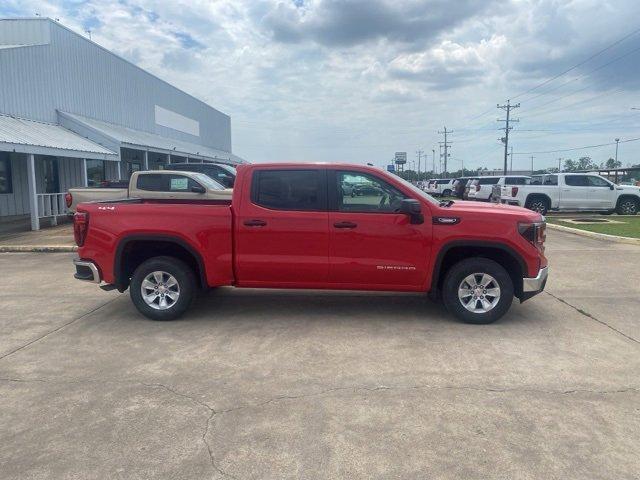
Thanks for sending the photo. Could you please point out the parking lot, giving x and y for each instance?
(298, 384)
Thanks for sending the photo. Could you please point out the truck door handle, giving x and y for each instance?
(255, 223)
(345, 225)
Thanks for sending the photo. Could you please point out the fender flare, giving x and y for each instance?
(127, 239)
(437, 265)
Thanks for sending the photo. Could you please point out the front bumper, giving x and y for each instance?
(86, 271)
(535, 285)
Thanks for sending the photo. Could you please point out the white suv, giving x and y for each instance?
(481, 188)
(442, 187)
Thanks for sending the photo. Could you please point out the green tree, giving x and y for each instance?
(585, 163)
(570, 166)
(611, 164)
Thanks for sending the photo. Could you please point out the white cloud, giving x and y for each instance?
(357, 80)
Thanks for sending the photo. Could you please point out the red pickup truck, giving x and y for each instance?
(315, 226)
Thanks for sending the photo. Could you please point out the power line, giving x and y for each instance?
(584, 75)
(549, 80)
(577, 148)
(578, 64)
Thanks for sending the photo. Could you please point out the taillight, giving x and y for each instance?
(514, 191)
(535, 233)
(80, 227)
(68, 199)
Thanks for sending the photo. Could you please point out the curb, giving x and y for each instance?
(599, 236)
(38, 248)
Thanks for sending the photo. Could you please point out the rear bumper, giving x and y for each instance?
(535, 285)
(86, 271)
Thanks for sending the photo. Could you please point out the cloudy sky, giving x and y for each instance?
(357, 80)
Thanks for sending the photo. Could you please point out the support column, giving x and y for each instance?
(146, 160)
(85, 181)
(33, 196)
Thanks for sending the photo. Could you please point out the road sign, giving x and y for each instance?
(401, 158)
(391, 168)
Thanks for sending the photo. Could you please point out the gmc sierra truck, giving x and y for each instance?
(295, 225)
(572, 192)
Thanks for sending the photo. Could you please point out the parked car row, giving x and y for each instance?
(544, 193)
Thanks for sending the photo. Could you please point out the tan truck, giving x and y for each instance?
(156, 185)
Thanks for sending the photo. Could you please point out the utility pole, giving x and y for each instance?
(511, 164)
(433, 151)
(559, 165)
(507, 108)
(617, 142)
(531, 164)
(446, 144)
(420, 152)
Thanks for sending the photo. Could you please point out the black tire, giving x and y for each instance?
(538, 204)
(455, 277)
(628, 206)
(446, 193)
(184, 277)
(608, 212)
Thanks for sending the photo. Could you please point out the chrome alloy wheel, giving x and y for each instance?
(538, 206)
(160, 290)
(479, 292)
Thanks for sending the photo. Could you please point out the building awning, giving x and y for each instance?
(131, 138)
(40, 138)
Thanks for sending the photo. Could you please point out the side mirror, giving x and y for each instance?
(198, 189)
(411, 207)
(612, 187)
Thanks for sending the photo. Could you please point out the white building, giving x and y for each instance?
(73, 114)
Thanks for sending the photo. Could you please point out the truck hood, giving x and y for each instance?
(629, 189)
(483, 208)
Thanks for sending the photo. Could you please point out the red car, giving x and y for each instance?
(294, 226)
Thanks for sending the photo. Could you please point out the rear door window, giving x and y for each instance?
(577, 180)
(515, 181)
(288, 189)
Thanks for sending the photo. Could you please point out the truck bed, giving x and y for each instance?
(202, 228)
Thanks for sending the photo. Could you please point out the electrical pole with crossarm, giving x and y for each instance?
(446, 144)
(507, 108)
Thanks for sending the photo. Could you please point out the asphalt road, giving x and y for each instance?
(270, 384)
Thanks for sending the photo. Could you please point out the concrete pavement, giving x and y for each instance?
(270, 384)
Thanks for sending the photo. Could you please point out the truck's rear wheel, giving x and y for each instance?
(162, 288)
(538, 204)
(446, 193)
(477, 290)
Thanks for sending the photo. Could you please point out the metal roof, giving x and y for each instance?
(30, 136)
(129, 137)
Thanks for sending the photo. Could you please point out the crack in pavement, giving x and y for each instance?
(213, 412)
(57, 329)
(588, 315)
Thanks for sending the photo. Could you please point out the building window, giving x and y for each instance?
(50, 174)
(5, 173)
(96, 172)
(157, 161)
(132, 161)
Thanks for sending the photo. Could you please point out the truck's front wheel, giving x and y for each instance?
(477, 290)
(162, 288)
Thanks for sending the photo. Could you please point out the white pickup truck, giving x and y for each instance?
(154, 184)
(572, 192)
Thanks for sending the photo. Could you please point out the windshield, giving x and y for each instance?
(207, 181)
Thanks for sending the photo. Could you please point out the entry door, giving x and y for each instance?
(371, 245)
(574, 194)
(281, 233)
(601, 193)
